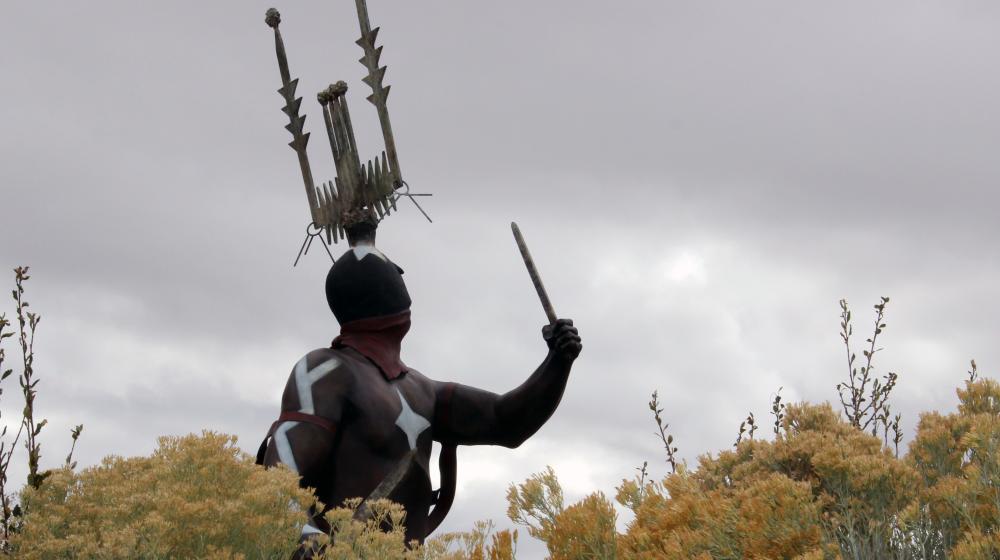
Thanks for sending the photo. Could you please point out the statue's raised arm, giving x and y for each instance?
(469, 416)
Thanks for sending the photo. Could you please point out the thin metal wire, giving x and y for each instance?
(307, 243)
(410, 195)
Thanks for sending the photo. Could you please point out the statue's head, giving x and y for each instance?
(364, 283)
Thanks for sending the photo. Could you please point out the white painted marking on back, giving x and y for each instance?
(410, 422)
(304, 380)
(308, 529)
(284, 447)
(362, 251)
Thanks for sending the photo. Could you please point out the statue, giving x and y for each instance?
(355, 420)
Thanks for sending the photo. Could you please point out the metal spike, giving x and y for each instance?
(385, 95)
(345, 133)
(337, 121)
(376, 179)
(364, 181)
(345, 136)
(390, 199)
(380, 92)
(344, 199)
(299, 145)
(321, 202)
(368, 38)
(375, 77)
(385, 185)
(350, 131)
(331, 213)
(371, 180)
(376, 53)
(296, 124)
(328, 121)
(287, 91)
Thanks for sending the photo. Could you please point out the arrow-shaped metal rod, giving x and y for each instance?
(299, 139)
(379, 91)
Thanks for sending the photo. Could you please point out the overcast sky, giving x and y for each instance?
(699, 182)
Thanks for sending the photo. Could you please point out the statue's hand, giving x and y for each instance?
(563, 339)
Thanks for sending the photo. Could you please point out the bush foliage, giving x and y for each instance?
(202, 497)
(195, 497)
(822, 489)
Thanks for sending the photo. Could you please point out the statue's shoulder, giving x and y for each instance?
(419, 383)
(319, 380)
(418, 377)
(323, 363)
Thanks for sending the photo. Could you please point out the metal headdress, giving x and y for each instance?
(361, 194)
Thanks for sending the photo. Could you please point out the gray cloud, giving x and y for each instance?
(699, 183)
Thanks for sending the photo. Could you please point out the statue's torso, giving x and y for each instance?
(380, 422)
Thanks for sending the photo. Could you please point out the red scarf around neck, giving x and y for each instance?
(379, 340)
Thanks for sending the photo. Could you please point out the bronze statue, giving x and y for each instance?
(356, 422)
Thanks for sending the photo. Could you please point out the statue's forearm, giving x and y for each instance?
(470, 416)
(522, 411)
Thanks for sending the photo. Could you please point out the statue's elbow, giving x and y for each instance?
(514, 443)
(513, 440)
(509, 443)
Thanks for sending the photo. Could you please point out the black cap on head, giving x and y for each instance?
(364, 283)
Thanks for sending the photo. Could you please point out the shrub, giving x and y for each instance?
(821, 489)
(202, 497)
(827, 486)
(29, 426)
(195, 497)
(957, 458)
(481, 543)
(583, 530)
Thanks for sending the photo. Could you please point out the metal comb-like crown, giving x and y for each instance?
(360, 192)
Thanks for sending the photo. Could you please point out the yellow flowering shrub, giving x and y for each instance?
(481, 543)
(195, 497)
(957, 457)
(769, 517)
(381, 536)
(583, 530)
(821, 489)
(202, 497)
(820, 483)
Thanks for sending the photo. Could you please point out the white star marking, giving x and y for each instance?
(362, 251)
(304, 381)
(410, 422)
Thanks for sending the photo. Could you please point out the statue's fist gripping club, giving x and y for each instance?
(563, 339)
